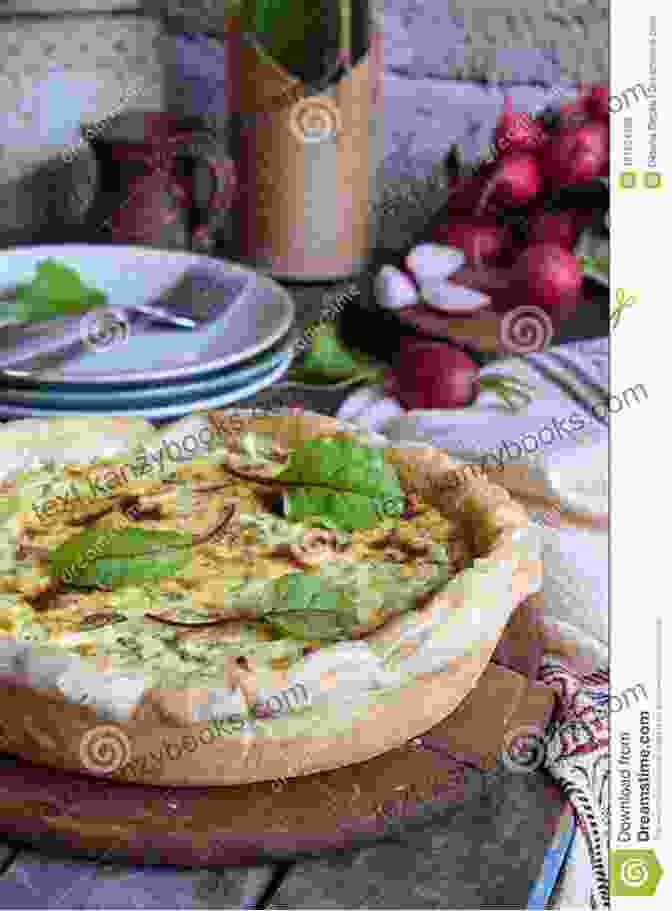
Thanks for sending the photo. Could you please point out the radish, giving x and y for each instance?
(547, 276)
(553, 228)
(515, 182)
(436, 375)
(448, 297)
(428, 262)
(481, 238)
(516, 131)
(577, 155)
(465, 195)
(598, 101)
(394, 290)
(578, 112)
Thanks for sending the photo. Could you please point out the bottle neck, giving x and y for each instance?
(316, 41)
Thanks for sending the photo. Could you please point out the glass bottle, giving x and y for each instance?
(303, 83)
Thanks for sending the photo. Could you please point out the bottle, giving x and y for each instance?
(303, 85)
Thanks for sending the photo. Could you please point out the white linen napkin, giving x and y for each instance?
(562, 439)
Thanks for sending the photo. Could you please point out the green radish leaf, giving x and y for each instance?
(329, 361)
(115, 573)
(301, 592)
(98, 556)
(56, 290)
(515, 392)
(305, 608)
(336, 509)
(349, 485)
(324, 626)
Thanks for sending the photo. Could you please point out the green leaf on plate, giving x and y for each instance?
(340, 484)
(56, 290)
(110, 557)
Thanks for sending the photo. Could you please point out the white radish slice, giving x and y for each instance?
(394, 290)
(429, 262)
(451, 298)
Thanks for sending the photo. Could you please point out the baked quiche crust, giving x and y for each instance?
(343, 702)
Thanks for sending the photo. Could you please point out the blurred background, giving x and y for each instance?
(446, 70)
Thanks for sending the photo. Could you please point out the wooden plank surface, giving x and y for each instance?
(39, 881)
(485, 854)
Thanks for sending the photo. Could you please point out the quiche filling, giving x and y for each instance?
(239, 558)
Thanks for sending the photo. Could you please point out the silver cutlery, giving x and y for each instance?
(195, 299)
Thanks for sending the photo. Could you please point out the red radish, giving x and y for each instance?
(515, 182)
(577, 112)
(553, 228)
(577, 155)
(547, 276)
(598, 101)
(436, 375)
(490, 280)
(465, 195)
(516, 131)
(481, 238)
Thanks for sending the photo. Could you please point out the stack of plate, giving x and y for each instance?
(157, 371)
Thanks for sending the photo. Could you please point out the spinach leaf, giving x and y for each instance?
(340, 483)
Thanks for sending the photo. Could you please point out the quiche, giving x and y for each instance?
(282, 596)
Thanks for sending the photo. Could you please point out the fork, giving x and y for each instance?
(185, 304)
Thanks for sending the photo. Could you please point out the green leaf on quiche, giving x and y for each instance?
(325, 626)
(338, 483)
(110, 557)
(304, 607)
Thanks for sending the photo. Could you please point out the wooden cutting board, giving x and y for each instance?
(448, 766)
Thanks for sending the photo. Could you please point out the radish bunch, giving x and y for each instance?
(496, 246)
(535, 266)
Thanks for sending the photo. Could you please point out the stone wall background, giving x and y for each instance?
(446, 71)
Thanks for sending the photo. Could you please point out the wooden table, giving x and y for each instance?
(485, 854)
